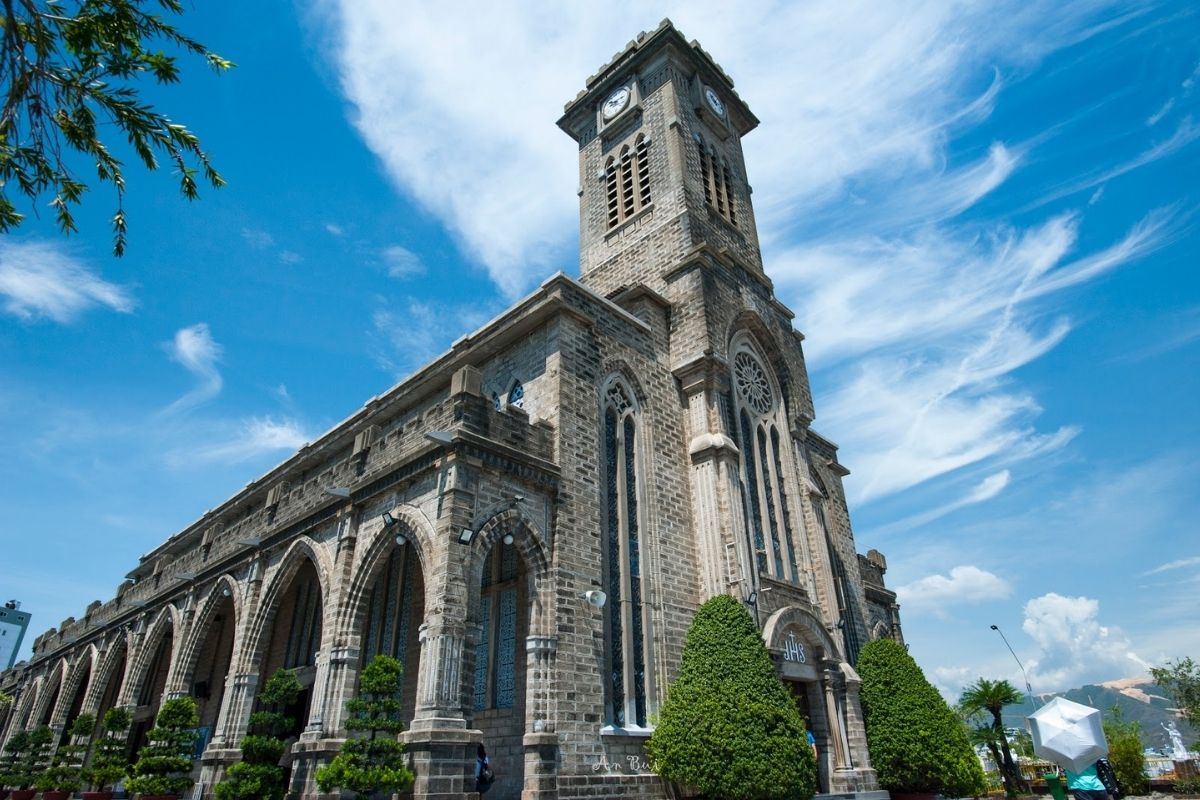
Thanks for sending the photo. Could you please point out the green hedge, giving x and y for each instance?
(729, 727)
(917, 743)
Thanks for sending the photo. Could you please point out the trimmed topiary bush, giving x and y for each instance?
(729, 727)
(917, 743)
(372, 763)
(31, 758)
(258, 775)
(111, 758)
(65, 774)
(10, 767)
(165, 763)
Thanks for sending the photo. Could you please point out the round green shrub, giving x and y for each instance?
(917, 743)
(729, 727)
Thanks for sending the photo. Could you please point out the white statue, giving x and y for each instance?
(1178, 751)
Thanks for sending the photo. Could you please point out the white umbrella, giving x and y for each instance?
(1069, 734)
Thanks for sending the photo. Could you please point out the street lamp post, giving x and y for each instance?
(1028, 688)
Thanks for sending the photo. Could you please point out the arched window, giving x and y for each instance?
(717, 180)
(627, 629)
(627, 181)
(759, 418)
(390, 607)
(516, 395)
(496, 653)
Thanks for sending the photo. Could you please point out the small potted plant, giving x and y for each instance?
(111, 759)
(164, 765)
(30, 763)
(65, 774)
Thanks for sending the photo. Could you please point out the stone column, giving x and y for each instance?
(724, 554)
(540, 740)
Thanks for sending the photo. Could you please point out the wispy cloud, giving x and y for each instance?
(252, 438)
(41, 280)
(290, 257)
(439, 112)
(406, 337)
(258, 239)
(985, 490)
(334, 229)
(196, 350)
(1180, 563)
(402, 262)
(964, 584)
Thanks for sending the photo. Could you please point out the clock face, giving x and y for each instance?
(714, 102)
(616, 103)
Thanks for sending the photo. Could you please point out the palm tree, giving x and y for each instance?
(992, 697)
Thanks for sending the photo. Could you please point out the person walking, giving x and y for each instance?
(484, 775)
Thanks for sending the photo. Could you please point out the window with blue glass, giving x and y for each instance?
(390, 606)
(626, 626)
(499, 612)
(760, 418)
(516, 395)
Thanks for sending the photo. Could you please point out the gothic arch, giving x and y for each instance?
(86, 660)
(529, 542)
(619, 369)
(185, 663)
(135, 673)
(52, 690)
(377, 543)
(808, 624)
(116, 651)
(749, 327)
(24, 712)
(301, 550)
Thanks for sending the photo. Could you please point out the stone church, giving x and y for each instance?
(530, 522)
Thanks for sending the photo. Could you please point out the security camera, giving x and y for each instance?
(595, 598)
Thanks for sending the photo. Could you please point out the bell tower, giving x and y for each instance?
(661, 170)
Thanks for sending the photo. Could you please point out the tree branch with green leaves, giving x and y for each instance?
(70, 69)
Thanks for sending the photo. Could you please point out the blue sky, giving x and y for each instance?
(984, 216)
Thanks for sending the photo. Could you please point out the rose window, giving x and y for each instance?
(752, 383)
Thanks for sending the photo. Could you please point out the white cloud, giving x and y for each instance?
(195, 349)
(1073, 646)
(402, 262)
(41, 280)
(464, 126)
(412, 333)
(259, 240)
(1173, 565)
(964, 584)
(335, 230)
(253, 438)
(985, 490)
(289, 257)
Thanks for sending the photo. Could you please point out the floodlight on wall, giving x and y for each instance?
(466, 535)
(594, 598)
(388, 519)
(752, 599)
(337, 491)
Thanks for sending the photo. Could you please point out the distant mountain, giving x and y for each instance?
(1139, 699)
